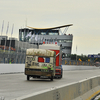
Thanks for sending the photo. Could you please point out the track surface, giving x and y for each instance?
(16, 85)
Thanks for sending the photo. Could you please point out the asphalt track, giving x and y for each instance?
(16, 85)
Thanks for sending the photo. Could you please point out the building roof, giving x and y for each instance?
(50, 28)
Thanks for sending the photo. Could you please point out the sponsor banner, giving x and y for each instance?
(94, 56)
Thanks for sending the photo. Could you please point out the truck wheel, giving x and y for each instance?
(28, 77)
(38, 76)
(51, 78)
(61, 76)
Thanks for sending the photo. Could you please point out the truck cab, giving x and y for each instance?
(58, 63)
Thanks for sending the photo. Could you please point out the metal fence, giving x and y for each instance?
(12, 57)
(19, 57)
(7, 56)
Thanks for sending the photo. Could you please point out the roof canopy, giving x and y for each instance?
(50, 28)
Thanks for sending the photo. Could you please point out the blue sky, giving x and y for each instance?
(83, 14)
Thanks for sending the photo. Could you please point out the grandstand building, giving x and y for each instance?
(50, 35)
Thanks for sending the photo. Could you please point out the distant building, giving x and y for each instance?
(49, 35)
(14, 44)
(13, 51)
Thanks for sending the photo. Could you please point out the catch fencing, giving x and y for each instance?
(12, 57)
(19, 57)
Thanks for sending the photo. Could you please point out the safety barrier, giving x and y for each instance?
(80, 67)
(13, 68)
(72, 62)
(86, 89)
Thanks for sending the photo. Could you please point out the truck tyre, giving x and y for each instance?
(51, 78)
(28, 77)
(61, 76)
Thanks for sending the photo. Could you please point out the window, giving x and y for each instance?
(40, 59)
(43, 33)
(65, 47)
(44, 60)
(52, 33)
(47, 60)
(69, 40)
(59, 41)
(63, 55)
(64, 41)
(67, 55)
(22, 36)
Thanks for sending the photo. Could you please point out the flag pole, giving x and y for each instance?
(2, 27)
(25, 41)
(11, 38)
(6, 38)
(17, 51)
(24, 37)
(22, 41)
(18, 44)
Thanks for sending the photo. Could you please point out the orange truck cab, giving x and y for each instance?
(58, 63)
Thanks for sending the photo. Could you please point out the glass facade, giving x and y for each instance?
(24, 32)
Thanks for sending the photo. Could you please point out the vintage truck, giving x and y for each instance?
(40, 63)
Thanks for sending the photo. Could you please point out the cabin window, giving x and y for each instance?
(40, 59)
(47, 60)
(44, 59)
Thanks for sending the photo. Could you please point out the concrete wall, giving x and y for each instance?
(16, 68)
(82, 90)
(11, 68)
(79, 67)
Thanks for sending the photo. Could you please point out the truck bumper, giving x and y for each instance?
(38, 72)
